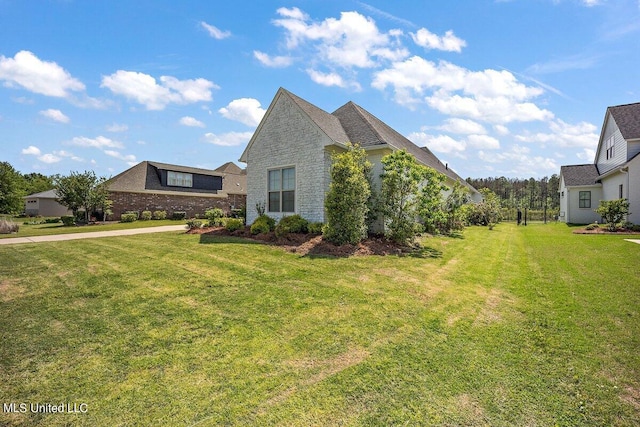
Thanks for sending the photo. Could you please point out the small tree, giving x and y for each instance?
(11, 189)
(346, 202)
(82, 191)
(455, 200)
(430, 200)
(613, 212)
(401, 178)
(489, 208)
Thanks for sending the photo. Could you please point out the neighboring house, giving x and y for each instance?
(44, 204)
(289, 156)
(614, 174)
(157, 186)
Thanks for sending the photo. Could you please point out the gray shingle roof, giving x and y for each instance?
(576, 175)
(49, 194)
(627, 118)
(325, 121)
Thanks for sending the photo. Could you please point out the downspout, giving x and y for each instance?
(626, 172)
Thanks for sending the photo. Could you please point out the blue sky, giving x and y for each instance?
(514, 88)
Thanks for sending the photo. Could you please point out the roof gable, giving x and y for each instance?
(579, 175)
(627, 118)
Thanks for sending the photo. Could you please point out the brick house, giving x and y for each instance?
(289, 156)
(157, 186)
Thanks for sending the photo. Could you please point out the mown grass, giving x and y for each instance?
(516, 326)
(30, 230)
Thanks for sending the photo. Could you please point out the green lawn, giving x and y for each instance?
(528, 326)
(30, 230)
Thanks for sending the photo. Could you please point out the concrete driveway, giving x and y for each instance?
(91, 235)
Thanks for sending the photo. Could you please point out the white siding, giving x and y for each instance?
(287, 138)
(563, 201)
(634, 190)
(633, 148)
(619, 151)
(574, 213)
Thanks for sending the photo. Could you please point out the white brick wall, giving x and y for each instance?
(288, 138)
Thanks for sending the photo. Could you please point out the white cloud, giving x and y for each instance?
(115, 127)
(243, 110)
(463, 126)
(230, 139)
(562, 134)
(351, 41)
(489, 95)
(49, 158)
(587, 154)
(154, 95)
(192, 122)
(520, 162)
(71, 156)
(129, 158)
(326, 79)
(272, 61)
(31, 150)
(215, 32)
(439, 143)
(43, 77)
(100, 142)
(55, 115)
(449, 42)
(483, 142)
(501, 129)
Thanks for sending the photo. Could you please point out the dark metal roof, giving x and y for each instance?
(627, 118)
(577, 175)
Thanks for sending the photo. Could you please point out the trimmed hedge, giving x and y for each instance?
(129, 217)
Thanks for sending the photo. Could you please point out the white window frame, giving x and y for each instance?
(179, 179)
(279, 189)
(609, 145)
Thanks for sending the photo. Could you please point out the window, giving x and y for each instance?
(620, 192)
(179, 179)
(609, 147)
(584, 199)
(282, 186)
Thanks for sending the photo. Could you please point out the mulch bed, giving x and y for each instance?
(600, 230)
(310, 244)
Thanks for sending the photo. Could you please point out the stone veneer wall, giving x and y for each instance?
(123, 202)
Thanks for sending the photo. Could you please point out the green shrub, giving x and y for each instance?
(52, 220)
(68, 220)
(233, 224)
(136, 213)
(159, 215)
(128, 217)
(315, 228)
(214, 216)
(7, 226)
(613, 212)
(179, 215)
(146, 215)
(263, 224)
(291, 224)
(592, 227)
(194, 223)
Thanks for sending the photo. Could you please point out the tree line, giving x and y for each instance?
(514, 193)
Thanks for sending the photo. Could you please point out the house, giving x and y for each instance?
(614, 173)
(289, 156)
(44, 203)
(156, 186)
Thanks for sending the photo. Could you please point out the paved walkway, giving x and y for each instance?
(633, 240)
(91, 235)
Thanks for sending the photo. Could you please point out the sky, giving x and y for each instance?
(511, 88)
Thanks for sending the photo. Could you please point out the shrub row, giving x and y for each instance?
(288, 224)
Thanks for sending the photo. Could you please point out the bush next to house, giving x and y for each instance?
(215, 217)
(263, 224)
(159, 215)
(194, 223)
(68, 220)
(146, 215)
(234, 224)
(128, 217)
(613, 212)
(315, 227)
(291, 224)
(178, 215)
(346, 202)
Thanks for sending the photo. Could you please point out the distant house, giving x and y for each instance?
(156, 186)
(614, 174)
(44, 203)
(289, 156)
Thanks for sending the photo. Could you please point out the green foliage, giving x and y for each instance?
(136, 213)
(458, 197)
(291, 224)
(82, 191)
(613, 212)
(37, 183)
(260, 208)
(263, 224)
(146, 215)
(315, 227)
(194, 223)
(11, 189)
(430, 200)
(401, 178)
(68, 220)
(487, 212)
(178, 215)
(129, 217)
(7, 226)
(215, 217)
(233, 224)
(592, 227)
(159, 215)
(346, 202)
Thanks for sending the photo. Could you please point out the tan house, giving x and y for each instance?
(44, 203)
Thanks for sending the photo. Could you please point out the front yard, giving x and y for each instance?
(516, 326)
